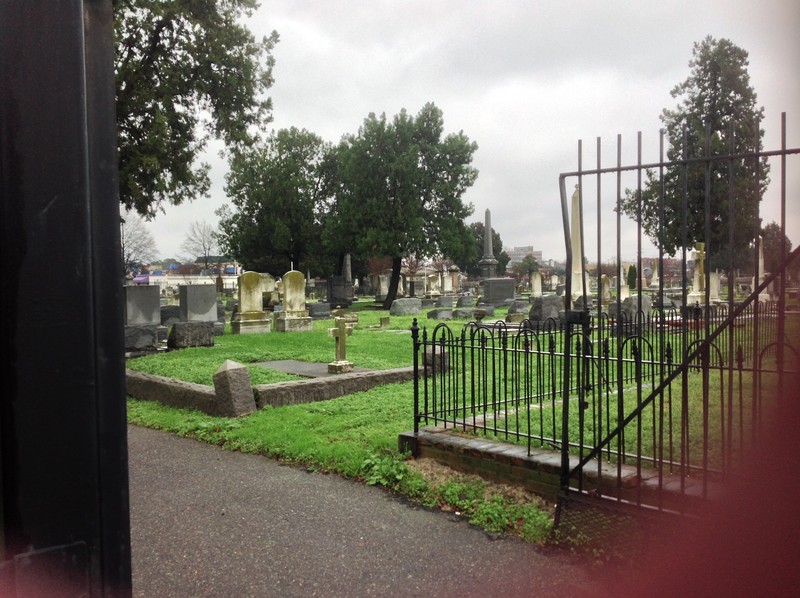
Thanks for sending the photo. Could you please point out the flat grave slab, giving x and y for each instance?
(307, 369)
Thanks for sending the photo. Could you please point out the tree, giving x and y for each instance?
(280, 191)
(469, 263)
(200, 241)
(138, 245)
(185, 70)
(716, 102)
(527, 266)
(633, 277)
(401, 189)
(772, 238)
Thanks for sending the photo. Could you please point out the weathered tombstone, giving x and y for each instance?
(713, 287)
(633, 321)
(654, 279)
(546, 306)
(381, 285)
(497, 291)
(191, 334)
(142, 305)
(250, 317)
(441, 313)
(536, 284)
(343, 329)
(270, 292)
(143, 327)
(340, 291)
(198, 302)
(447, 283)
(319, 311)
(233, 390)
(445, 301)
(518, 311)
(406, 306)
(466, 300)
(294, 316)
(605, 290)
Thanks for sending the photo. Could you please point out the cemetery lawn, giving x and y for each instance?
(354, 436)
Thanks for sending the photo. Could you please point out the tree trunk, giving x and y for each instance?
(394, 282)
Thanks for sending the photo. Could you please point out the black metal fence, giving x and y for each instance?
(650, 406)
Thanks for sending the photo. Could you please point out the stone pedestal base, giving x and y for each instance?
(251, 323)
(284, 324)
(340, 367)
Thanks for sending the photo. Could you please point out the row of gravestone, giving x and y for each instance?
(200, 317)
(195, 321)
(535, 309)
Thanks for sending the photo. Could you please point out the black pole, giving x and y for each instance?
(63, 436)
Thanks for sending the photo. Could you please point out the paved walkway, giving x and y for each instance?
(209, 522)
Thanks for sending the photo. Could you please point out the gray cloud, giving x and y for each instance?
(525, 80)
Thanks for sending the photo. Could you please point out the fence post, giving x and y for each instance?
(415, 338)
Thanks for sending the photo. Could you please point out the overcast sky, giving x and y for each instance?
(525, 80)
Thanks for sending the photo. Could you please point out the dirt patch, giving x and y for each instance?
(437, 474)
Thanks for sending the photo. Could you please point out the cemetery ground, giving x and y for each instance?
(355, 436)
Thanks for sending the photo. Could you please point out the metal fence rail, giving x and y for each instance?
(647, 405)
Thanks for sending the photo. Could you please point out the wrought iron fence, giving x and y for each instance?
(647, 405)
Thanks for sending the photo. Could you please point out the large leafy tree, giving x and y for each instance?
(717, 114)
(401, 188)
(280, 190)
(776, 246)
(526, 267)
(469, 262)
(186, 70)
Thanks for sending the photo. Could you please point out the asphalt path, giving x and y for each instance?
(210, 522)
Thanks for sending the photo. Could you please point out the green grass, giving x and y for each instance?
(355, 436)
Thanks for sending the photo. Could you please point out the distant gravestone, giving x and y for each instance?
(294, 316)
(198, 302)
(250, 317)
(143, 327)
(445, 301)
(441, 313)
(340, 291)
(319, 311)
(605, 290)
(497, 291)
(233, 390)
(518, 311)
(142, 305)
(713, 286)
(191, 334)
(406, 306)
(466, 301)
(545, 307)
(536, 284)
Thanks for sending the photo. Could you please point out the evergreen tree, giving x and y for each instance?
(717, 115)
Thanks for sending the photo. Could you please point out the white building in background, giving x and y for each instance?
(517, 254)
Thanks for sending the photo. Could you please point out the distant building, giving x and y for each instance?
(517, 254)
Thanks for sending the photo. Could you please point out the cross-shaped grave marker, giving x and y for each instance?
(344, 328)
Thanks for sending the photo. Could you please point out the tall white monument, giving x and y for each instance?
(576, 234)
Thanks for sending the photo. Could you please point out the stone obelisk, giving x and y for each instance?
(488, 263)
(576, 234)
